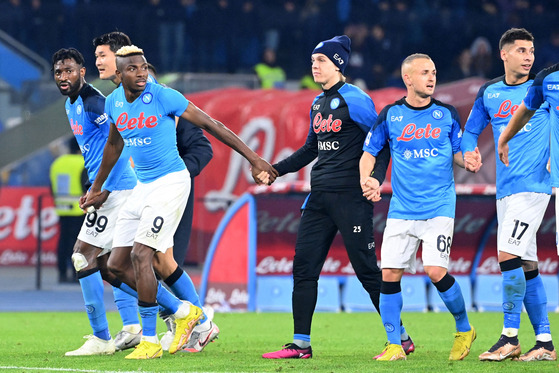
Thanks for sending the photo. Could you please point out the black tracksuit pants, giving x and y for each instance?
(324, 214)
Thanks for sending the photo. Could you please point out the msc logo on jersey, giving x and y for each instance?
(328, 145)
(147, 98)
(527, 128)
(420, 153)
(437, 114)
(334, 103)
(79, 110)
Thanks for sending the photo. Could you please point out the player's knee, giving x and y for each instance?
(80, 261)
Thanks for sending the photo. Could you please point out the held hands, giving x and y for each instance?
(263, 172)
(371, 188)
(94, 199)
(472, 160)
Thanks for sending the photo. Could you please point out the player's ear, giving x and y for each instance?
(503, 54)
(82, 72)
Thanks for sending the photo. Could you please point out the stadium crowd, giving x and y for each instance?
(230, 35)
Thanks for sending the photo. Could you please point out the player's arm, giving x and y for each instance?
(226, 136)
(521, 116)
(369, 185)
(111, 154)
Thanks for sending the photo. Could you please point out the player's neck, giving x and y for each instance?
(515, 79)
(417, 101)
(131, 96)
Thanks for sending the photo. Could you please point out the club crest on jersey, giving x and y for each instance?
(79, 110)
(437, 114)
(334, 103)
(147, 98)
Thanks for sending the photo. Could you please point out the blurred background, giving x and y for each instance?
(209, 49)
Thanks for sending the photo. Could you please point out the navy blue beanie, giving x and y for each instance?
(336, 49)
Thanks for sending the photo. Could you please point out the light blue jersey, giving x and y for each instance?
(147, 126)
(546, 89)
(496, 102)
(423, 142)
(91, 128)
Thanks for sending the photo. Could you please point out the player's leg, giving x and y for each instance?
(353, 215)
(535, 299)
(85, 263)
(436, 235)
(398, 253)
(535, 302)
(182, 286)
(315, 235)
(519, 217)
(90, 261)
(159, 206)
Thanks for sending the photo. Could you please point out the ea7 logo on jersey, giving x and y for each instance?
(493, 95)
(398, 118)
(421, 153)
(553, 87)
(316, 107)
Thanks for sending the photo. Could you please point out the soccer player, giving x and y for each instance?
(340, 117)
(195, 150)
(142, 116)
(88, 120)
(523, 190)
(424, 138)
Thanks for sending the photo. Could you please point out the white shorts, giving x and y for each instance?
(519, 216)
(98, 227)
(401, 241)
(152, 213)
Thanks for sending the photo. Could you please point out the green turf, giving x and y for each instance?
(342, 343)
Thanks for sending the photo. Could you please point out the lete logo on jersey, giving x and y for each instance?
(123, 123)
(505, 109)
(410, 132)
(326, 125)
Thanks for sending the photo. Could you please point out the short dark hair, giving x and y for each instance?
(115, 40)
(514, 34)
(67, 54)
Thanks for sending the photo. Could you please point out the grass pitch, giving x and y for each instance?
(342, 342)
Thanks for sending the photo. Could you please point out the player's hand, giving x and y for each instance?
(371, 189)
(472, 160)
(259, 166)
(95, 199)
(503, 151)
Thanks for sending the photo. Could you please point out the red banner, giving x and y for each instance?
(19, 226)
(278, 219)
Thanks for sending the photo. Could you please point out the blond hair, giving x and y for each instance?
(412, 57)
(129, 50)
